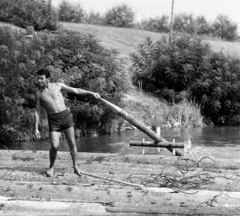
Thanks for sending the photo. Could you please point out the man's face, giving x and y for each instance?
(42, 80)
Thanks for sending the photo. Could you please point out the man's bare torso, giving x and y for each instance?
(51, 98)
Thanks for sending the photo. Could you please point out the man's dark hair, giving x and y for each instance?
(44, 71)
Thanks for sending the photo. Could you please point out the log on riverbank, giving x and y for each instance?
(25, 190)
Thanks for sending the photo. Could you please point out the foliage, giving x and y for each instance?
(77, 59)
(156, 112)
(120, 16)
(188, 68)
(184, 114)
(70, 13)
(184, 23)
(24, 13)
(202, 26)
(224, 28)
(158, 24)
(94, 18)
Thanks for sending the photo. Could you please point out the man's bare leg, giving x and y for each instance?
(69, 133)
(54, 139)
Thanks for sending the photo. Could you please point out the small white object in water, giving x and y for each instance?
(187, 146)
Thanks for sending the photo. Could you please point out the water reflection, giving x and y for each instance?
(216, 136)
(119, 142)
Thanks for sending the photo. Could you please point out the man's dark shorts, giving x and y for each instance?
(60, 121)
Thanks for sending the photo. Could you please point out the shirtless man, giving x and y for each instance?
(49, 95)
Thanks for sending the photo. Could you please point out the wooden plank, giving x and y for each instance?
(156, 144)
(136, 123)
(168, 209)
(47, 208)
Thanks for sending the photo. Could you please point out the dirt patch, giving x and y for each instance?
(14, 157)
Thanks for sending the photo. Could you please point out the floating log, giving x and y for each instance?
(136, 123)
(156, 144)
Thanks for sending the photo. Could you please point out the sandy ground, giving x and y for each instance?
(169, 185)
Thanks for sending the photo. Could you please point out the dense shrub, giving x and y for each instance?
(68, 12)
(202, 26)
(158, 24)
(184, 23)
(77, 59)
(120, 16)
(94, 18)
(224, 28)
(24, 13)
(188, 68)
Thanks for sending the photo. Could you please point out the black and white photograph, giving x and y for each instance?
(119, 107)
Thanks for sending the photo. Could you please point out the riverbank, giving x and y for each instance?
(171, 185)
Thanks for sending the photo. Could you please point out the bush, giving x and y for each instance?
(184, 23)
(224, 28)
(94, 18)
(24, 13)
(159, 24)
(70, 13)
(77, 59)
(188, 68)
(184, 114)
(202, 26)
(120, 16)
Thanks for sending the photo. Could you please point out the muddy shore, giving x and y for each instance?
(170, 185)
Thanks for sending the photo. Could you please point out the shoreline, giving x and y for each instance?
(123, 148)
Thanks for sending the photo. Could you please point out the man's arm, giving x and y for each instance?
(37, 116)
(78, 91)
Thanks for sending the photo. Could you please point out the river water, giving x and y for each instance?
(221, 141)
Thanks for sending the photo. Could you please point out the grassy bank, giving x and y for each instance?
(126, 40)
(155, 112)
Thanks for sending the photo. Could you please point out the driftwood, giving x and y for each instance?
(156, 144)
(137, 124)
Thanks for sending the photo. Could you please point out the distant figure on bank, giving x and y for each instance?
(49, 95)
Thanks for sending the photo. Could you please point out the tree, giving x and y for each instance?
(120, 16)
(70, 13)
(202, 26)
(158, 24)
(188, 67)
(184, 23)
(24, 13)
(78, 59)
(224, 28)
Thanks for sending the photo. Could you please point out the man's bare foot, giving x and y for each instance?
(49, 172)
(77, 171)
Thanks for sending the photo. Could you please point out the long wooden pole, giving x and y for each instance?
(136, 123)
(111, 179)
(171, 23)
